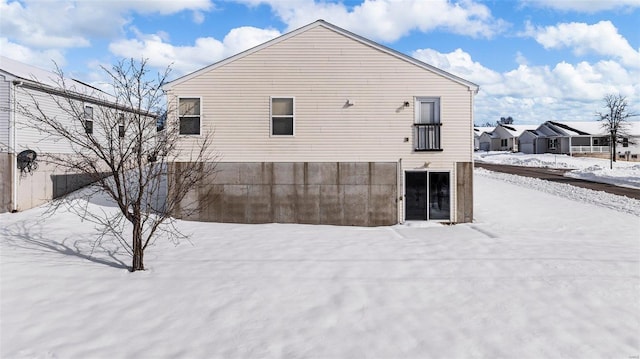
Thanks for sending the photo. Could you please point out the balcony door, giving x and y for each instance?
(427, 124)
(427, 196)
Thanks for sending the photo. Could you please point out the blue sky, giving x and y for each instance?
(535, 60)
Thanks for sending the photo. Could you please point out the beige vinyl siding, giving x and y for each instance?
(5, 115)
(322, 69)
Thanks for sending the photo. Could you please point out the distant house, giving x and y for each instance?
(321, 125)
(508, 135)
(477, 132)
(488, 141)
(572, 138)
(503, 137)
(579, 138)
(25, 183)
(528, 141)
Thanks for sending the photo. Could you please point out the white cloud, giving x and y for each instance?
(389, 20)
(246, 37)
(198, 17)
(533, 94)
(459, 63)
(601, 38)
(65, 24)
(187, 58)
(587, 6)
(40, 58)
(165, 7)
(521, 59)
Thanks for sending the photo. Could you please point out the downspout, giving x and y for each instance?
(12, 145)
(471, 106)
(400, 193)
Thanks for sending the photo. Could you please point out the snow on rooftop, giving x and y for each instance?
(27, 72)
(483, 129)
(575, 128)
(480, 130)
(594, 127)
(517, 130)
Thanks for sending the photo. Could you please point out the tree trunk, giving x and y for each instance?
(138, 253)
(611, 154)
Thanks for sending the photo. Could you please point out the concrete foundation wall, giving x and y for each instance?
(339, 193)
(464, 192)
(46, 183)
(5, 182)
(68, 182)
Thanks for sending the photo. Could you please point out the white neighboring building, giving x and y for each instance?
(24, 85)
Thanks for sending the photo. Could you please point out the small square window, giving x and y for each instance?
(282, 116)
(189, 116)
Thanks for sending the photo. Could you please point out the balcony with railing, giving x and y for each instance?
(427, 137)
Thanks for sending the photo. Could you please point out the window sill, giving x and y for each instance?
(428, 150)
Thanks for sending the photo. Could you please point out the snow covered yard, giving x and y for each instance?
(539, 274)
(623, 173)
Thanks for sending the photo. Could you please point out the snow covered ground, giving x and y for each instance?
(624, 173)
(539, 274)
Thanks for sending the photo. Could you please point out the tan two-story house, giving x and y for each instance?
(321, 125)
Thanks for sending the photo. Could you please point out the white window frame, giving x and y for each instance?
(121, 127)
(87, 119)
(199, 98)
(293, 116)
(436, 114)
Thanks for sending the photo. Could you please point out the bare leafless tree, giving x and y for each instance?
(116, 146)
(615, 121)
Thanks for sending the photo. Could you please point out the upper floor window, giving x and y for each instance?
(189, 115)
(625, 142)
(427, 124)
(121, 125)
(282, 116)
(88, 120)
